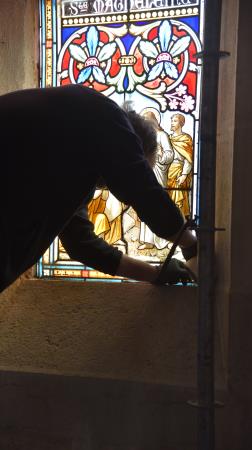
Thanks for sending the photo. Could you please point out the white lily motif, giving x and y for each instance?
(95, 57)
(169, 50)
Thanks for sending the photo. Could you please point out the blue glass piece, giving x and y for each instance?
(54, 64)
(54, 25)
(155, 71)
(98, 75)
(43, 24)
(43, 39)
(40, 268)
(126, 82)
(92, 40)
(128, 41)
(115, 25)
(192, 22)
(164, 35)
(54, 28)
(67, 32)
(84, 75)
(171, 70)
(104, 280)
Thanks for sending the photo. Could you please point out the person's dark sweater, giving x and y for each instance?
(56, 144)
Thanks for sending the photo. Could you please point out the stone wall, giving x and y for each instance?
(19, 50)
(224, 166)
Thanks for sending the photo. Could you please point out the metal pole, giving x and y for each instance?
(210, 56)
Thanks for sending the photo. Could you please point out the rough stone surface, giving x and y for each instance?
(125, 331)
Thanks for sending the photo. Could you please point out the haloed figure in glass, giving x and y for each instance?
(164, 157)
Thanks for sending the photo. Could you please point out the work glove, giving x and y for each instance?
(173, 273)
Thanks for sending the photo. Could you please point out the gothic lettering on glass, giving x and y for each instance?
(78, 8)
(143, 52)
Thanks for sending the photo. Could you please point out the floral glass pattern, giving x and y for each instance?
(147, 56)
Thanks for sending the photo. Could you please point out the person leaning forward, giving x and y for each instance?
(60, 144)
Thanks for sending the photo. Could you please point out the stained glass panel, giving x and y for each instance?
(143, 52)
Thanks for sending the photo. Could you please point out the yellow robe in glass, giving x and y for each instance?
(111, 231)
(183, 145)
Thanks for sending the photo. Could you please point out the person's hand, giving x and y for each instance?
(181, 179)
(192, 266)
(175, 272)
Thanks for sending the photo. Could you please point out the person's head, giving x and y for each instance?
(146, 131)
(177, 122)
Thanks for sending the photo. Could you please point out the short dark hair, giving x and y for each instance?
(145, 130)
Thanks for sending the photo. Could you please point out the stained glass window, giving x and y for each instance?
(143, 52)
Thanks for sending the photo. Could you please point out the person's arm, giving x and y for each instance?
(136, 269)
(83, 245)
(168, 152)
(187, 167)
(175, 272)
(128, 175)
